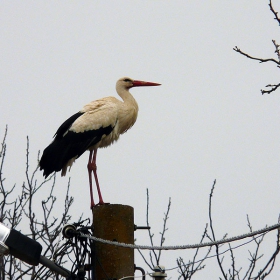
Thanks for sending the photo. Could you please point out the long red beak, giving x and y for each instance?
(144, 84)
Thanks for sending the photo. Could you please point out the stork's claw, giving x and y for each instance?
(99, 204)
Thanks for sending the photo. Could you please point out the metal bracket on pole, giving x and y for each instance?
(142, 270)
(141, 227)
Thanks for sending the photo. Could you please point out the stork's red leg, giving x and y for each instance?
(90, 180)
(92, 168)
(93, 163)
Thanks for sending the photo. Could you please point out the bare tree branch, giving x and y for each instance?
(270, 264)
(155, 257)
(23, 209)
(261, 60)
(272, 88)
(274, 12)
(187, 270)
(162, 239)
(213, 233)
(150, 233)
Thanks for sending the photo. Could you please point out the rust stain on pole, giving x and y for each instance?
(113, 222)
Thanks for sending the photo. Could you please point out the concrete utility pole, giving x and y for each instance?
(113, 222)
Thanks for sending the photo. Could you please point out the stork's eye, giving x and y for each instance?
(127, 80)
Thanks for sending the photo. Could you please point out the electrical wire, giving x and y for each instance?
(221, 253)
(208, 257)
(139, 276)
(183, 247)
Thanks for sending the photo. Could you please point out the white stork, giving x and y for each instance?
(97, 125)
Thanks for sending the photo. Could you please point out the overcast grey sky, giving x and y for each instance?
(207, 121)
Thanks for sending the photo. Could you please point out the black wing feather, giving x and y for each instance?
(69, 145)
(66, 125)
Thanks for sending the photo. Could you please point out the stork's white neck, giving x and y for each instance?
(127, 114)
(126, 96)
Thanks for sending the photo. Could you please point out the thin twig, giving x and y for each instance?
(162, 239)
(213, 233)
(274, 12)
(272, 88)
(261, 60)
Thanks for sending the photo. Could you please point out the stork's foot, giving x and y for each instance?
(99, 204)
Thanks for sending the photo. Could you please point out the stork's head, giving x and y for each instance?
(127, 83)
